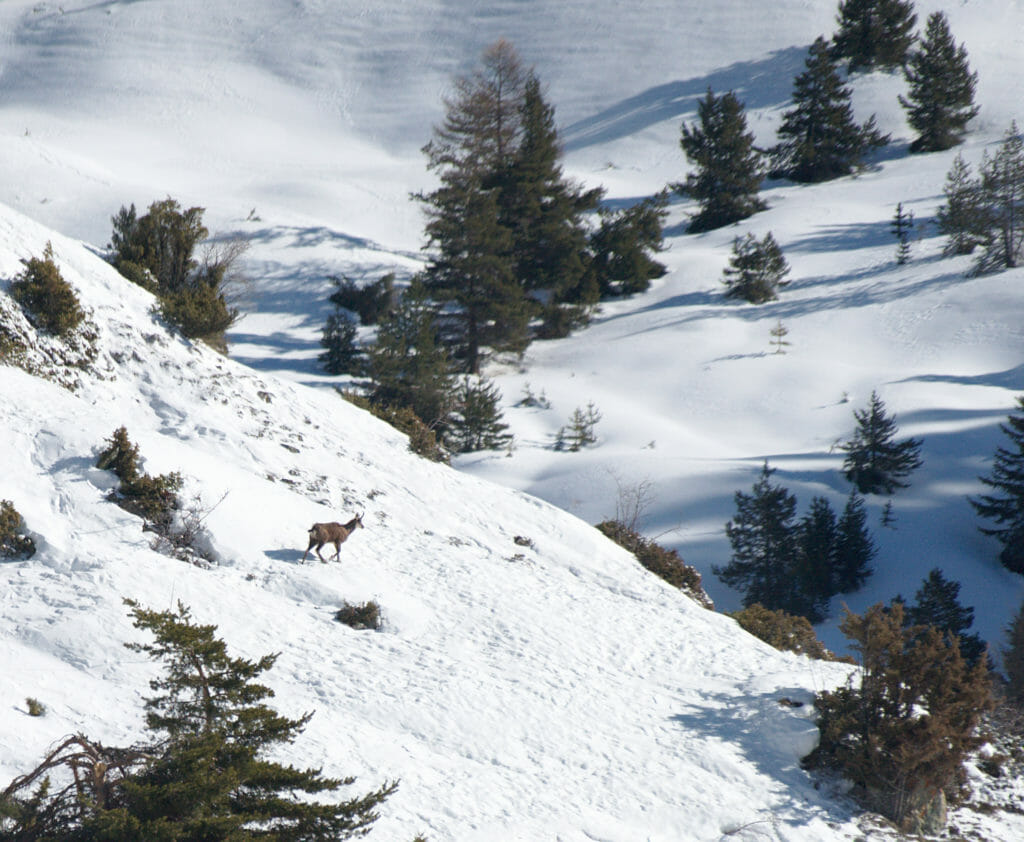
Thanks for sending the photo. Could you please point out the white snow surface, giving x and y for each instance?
(549, 692)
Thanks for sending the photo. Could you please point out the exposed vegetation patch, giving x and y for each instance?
(362, 616)
(14, 543)
(787, 632)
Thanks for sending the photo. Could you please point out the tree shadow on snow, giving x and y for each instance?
(758, 84)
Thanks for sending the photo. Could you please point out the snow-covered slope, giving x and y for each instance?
(563, 693)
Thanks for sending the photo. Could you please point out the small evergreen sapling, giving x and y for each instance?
(779, 334)
(756, 269)
(963, 217)
(476, 420)
(50, 301)
(1002, 193)
(580, 431)
(902, 225)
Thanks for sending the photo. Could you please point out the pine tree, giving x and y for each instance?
(203, 773)
(1002, 193)
(341, 355)
(963, 218)
(902, 732)
(854, 548)
(936, 604)
(728, 174)
(623, 245)
(940, 102)
(408, 367)
(1005, 506)
(818, 137)
(544, 210)
(874, 33)
(762, 536)
(756, 269)
(476, 421)
(1013, 659)
(817, 536)
(875, 463)
(902, 224)
(472, 265)
(779, 334)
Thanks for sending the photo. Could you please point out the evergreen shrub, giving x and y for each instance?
(49, 300)
(664, 563)
(786, 632)
(422, 439)
(14, 543)
(361, 616)
(370, 302)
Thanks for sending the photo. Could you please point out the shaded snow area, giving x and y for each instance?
(540, 689)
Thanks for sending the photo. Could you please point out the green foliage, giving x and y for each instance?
(902, 732)
(875, 463)
(962, 217)
(1005, 506)
(371, 302)
(476, 420)
(941, 97)
(202, 773)
(14, 543)
(361, 616)
(902, 224)
(756, 269)
(35, 707)
(874, 33)
(1013, 659)
(580, 431)
(408, 367)
(664, 563)
(1002, 199)
(154, 499)
(341, 354)
(854, 548)
(158, 252)
(936, 604)
(623, 245)
(49, 300)
(819, 139)
(422, 439)
(786, 632)
(728, 174)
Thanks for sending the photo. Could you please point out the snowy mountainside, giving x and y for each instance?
(551, 691)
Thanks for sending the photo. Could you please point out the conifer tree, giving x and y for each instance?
(1004, 507)
(203, 773)
(762, 536)
(875, 463)
(854, 548)
(476, 420)
(936, 604)
(623, 245)
(472, 264)
(818, 138)
(1013, 659)
(904, 723)
(545, 210)
(756, 269)
(963, 218)
(817, 538)
(407, 365)
(1002, 194)
(874, 33)
(728, 174)
(341, 355)
(902, 224)
(940, 102)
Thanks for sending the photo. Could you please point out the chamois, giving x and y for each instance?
(331, 533)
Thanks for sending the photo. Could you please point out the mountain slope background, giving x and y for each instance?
(562, 694)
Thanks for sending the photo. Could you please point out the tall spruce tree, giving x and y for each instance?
(202, 773)
(854, 548)
(819, 139)
(728, 168)
(940, 102)
(875, 463)
(874, 33)
(1002, 195)
(471, 263)
(817, 538)
(764, 548)
(1005, 506)
(963, 217)
(545, 210)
